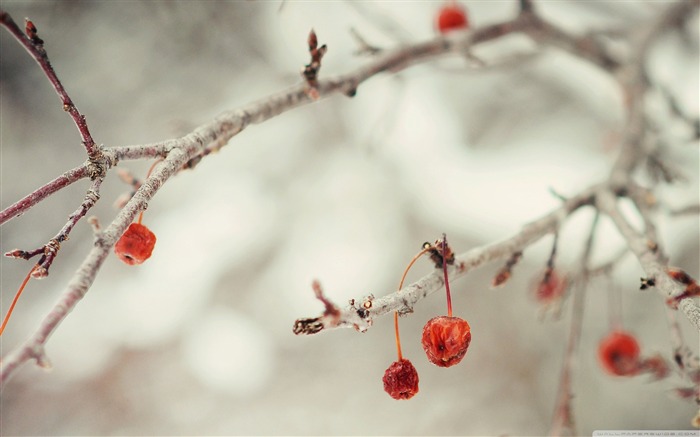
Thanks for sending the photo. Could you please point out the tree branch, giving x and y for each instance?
(184, 152)
(33, 348)
(35, 47)
(405, 300)
(27, 202)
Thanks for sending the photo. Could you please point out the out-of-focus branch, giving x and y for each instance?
(649, 256)
(563, 418)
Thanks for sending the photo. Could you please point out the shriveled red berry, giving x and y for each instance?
(136, 244)
(401, 380)
(618, 353)
(446, 339)
(452, 16)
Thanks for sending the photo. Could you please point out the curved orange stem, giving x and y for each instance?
(14, 301)
(426, 248)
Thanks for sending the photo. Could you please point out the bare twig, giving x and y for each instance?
(41, 193)
(35, 46)
(50, 249)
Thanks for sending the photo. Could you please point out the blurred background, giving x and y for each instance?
(198, 340)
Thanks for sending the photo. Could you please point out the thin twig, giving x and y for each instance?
(563, 418)
(33, 348)
(27, 202)
(35, 47)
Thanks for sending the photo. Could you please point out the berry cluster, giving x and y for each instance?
(445, 338)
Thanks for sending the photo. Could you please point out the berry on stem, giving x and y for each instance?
(136, 244)
(446, 338)
(401, 380)
(618, 353)
(452, 16)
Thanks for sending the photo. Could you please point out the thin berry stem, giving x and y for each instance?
(425, 249)
(398, 338)
(447, 279)
(14, 301)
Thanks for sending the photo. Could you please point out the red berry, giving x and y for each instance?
(136, 244)
(451, 17)
(446, 339)
(401, 380)
(618, 353)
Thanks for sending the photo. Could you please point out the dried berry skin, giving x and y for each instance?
(445, 340)
(136, 244)
(401, 380)
(452, 17)
(618, 353)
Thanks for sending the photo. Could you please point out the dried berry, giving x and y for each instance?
(618, 353)
(136, 244)
(401, 380)
(452, 16)
(446, 339)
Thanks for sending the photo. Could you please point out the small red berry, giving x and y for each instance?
(136, 244)
(401, 380)
(446, 339)
(618, 353)
(452, 16)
